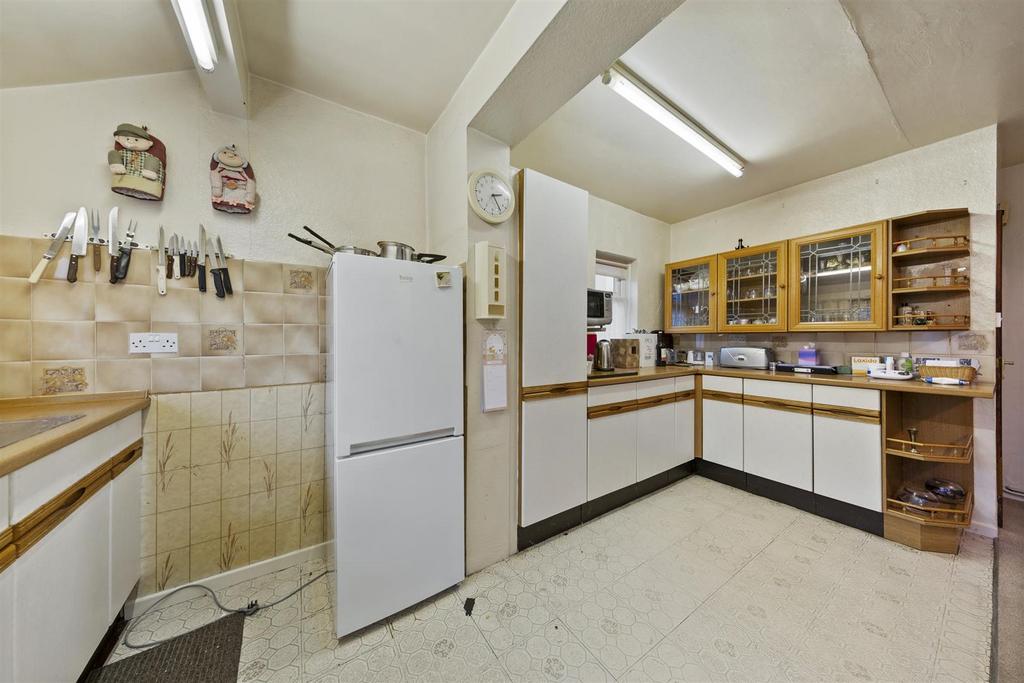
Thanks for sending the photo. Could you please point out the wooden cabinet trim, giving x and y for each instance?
(609, 409)
(851, 414)
(8, 553)
(543, 391)
(777, 404)
(653, 401)
(688, 395)
(725, 396)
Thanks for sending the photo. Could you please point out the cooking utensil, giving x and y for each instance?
(195, 259)
(94, 233)
(915, 495)
(404, 252)
(603, 356)
(946, 490)
(224, 266)
(182, 257)
(112, 243)
(308, 243)
(55, 245)
(202, 258)
(79, 243)
(319, 237)
(161, 264)
(350, 249)
(125, 256)
(217, 271)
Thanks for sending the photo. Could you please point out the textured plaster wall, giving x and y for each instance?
(957, 172)
(350, 176)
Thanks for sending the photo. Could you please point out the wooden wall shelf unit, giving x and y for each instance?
(691, 290)
(929, 266)
(941, 447)
(752, 289)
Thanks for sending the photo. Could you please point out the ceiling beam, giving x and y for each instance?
(227, 86)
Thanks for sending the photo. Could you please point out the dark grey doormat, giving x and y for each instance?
(209, 655)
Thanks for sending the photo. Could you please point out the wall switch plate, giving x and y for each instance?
(153, 342)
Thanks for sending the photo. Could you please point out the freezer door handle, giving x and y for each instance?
(396, 441)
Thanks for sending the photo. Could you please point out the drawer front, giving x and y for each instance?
(847, 397)
(715, 383)
(787, 391)
(685, 383)
(615, 393)
(656, 387)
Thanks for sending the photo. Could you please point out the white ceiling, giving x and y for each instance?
(798, 89)
(400, 60)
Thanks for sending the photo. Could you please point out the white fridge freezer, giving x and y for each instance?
(395, 434)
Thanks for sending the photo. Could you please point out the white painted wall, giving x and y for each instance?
(959, 171)
(350, 176)
(1011, 198)
(625, 232)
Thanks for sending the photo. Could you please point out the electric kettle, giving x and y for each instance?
(603, 356)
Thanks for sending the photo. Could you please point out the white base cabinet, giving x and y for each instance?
(722, 430)
(612, 448)
(553, 470)
(777, 445)
(125, 536)
(656, 448)
(848, 446)
(7, 625)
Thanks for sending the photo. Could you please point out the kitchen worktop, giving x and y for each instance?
(98, 411)
(976, 390)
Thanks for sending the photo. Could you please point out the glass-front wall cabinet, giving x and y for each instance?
(690, 296)
(836, 280)
(752, 289)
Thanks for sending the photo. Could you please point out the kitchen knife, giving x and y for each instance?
(125, 252)
(224, 266)
(55, 245)
(161, 264)
(216, 272)
(112, 244)
(194, 252)
(173, 268)
(182, 248)
(79, 243)
(94, 234)
(202, 258)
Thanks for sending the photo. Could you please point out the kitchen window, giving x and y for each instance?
(614, 275)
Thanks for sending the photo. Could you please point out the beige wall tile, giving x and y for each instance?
(235, 405)
(147, 578)
(264, 308)
(289, 434)
(287, 503)
(234, 480)
(176, 374)
(288, 468)
(262, 508)
(172, 529)
(112, 339)
(149, 485)
(321, 310)
(262, 543)
(264, 403)
(204, 559)
(16, 340)
(57, 269)
(123, 302)
(235, 441)
(123, 375)
(205, 484)
(312, 498)
(287, 536)
(205, 445)
(173, 411)
(312, 464)
(172, 493)
(15, 379)
(302, 368)
(264, 340)
(140, 268)
(289, 400)
(324, 339)
(172, 568)
(189, 338)
(63, 377)
(262, 276)
(205, 408)
(236, 270)
(222, 340)
(264, 437)
(15, 298)
(321, 281)
(177, 306)
(234, 549)
(147, 535)
(15, 256)
(300, 280)
(215, 310)
(300, 309)
(173, 451)
(264, 370)
(204, 522)
(235, 511)
(56, 340)
(301, 339)
(929, 343)
(225, 372)
(311, 530)
(59, 300)
(263, 474)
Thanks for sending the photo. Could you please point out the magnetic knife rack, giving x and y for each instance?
(99, 241)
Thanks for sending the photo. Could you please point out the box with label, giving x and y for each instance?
(626, 353)
(648, 348)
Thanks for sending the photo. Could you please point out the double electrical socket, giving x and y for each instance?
(152, 342)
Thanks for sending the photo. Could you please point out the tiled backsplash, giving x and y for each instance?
(230, 478)
(58, 337)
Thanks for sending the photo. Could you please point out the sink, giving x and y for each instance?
(12, 431)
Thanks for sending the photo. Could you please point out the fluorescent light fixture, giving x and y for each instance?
(192, 14)
(649, 101)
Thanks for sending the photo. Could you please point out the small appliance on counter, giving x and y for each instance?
(599, 308)
(691, 357)
(603, 357)
(807, 369)
(749, 357)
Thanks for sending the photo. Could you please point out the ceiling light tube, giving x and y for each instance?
(192, 14)
(646, 99)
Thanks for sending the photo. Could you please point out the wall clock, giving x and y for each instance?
(491, 196)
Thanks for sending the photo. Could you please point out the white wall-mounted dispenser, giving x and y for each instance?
(489, 280)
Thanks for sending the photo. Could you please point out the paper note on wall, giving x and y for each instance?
(495, 374)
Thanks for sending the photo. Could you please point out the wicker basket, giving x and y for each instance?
(964, 372)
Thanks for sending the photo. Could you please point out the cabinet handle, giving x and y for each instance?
(880, 276)
(782, 285)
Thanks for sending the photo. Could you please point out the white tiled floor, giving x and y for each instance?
(697, 582)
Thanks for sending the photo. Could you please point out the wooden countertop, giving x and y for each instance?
(976, 390)
(98, 410)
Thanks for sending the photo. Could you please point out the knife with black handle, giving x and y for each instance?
(125, 252)
(224, 266)
(202, 258)
(218, 280)
(182, 260)
(112, 244)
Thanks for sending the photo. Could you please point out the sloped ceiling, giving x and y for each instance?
(800, 90)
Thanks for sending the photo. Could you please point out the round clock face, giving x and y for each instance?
(492, 197)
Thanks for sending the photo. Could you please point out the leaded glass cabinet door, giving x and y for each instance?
(837, 280)
(690, 295)
(752, 289)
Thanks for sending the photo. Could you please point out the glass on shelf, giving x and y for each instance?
(836, 280)
(691, 296)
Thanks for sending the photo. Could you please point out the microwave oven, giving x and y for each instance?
(599, 308)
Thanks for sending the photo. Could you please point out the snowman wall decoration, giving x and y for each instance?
(138, 163)
(232, 181)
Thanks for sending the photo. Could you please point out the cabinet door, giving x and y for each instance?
(611, 453)
(752, 289)
(690, 295)
(777, 444)
(125, 504)
(61, 595)
(656, 449)
(684, 443)
(553, 254)
(837, 280)
(553, 467)
(848, 460)
(7, 625)
(722, 429)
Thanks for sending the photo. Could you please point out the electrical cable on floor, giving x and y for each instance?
(249, 610)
